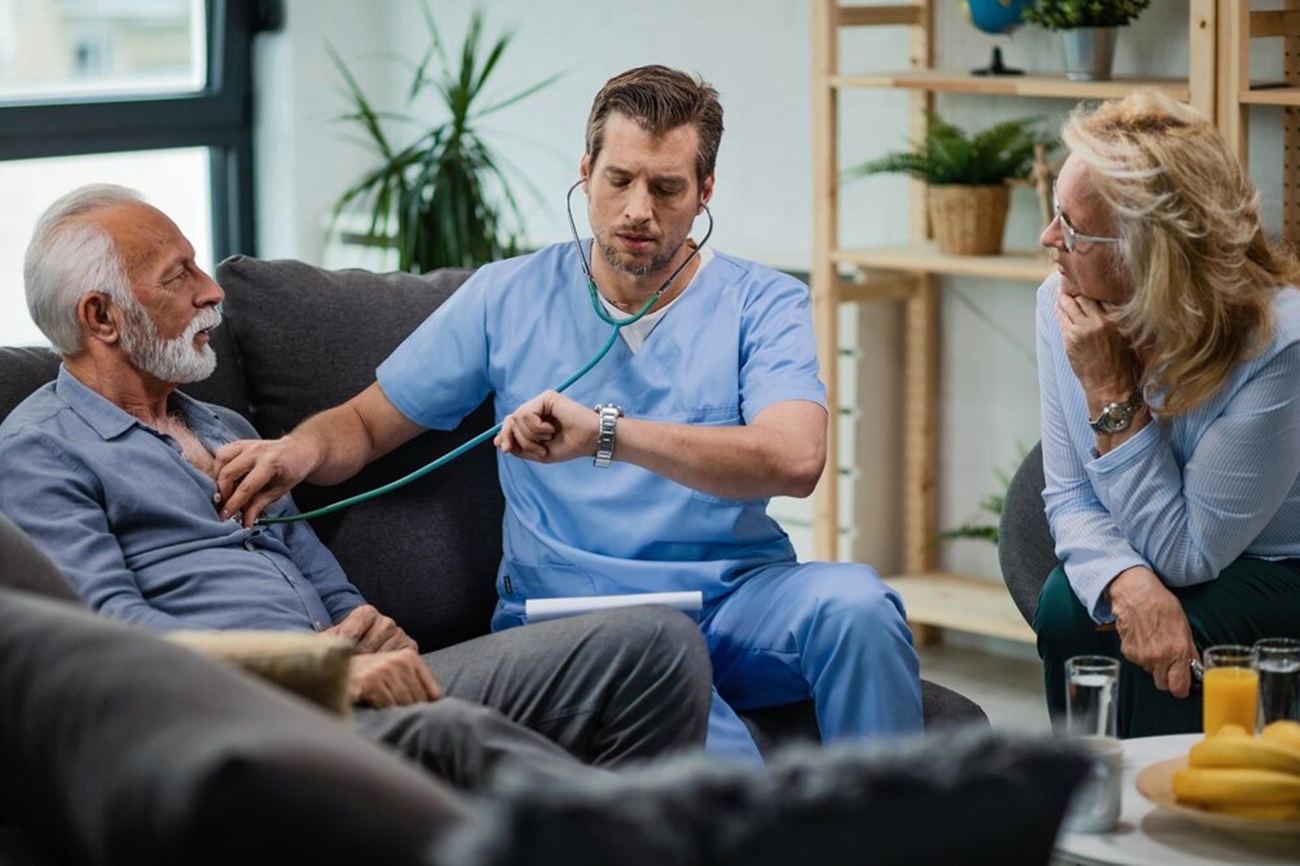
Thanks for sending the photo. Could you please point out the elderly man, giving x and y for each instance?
(110, 469)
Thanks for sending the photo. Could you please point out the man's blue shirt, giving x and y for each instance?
(132, 523)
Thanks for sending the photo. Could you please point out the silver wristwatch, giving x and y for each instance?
(609, 415)
(1118, 417)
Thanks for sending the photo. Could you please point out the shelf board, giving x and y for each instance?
(1271, 95)
(1054, 86)
(963, 603)
(924, 258)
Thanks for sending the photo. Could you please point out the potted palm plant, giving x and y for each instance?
(1088, 31)
(442, 198)
(966, 177)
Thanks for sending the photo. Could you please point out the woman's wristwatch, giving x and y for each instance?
(1118, 417)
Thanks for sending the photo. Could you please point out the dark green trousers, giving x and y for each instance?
(1249, 600)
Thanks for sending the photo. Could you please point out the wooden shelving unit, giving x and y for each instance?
(910, 273)
(1241, 31)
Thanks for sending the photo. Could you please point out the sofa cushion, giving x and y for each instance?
(26, 368)
(311, 665)
(309, 339)
(964, 796)
(119, 747)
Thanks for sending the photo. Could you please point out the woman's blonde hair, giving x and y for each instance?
(1202, 270)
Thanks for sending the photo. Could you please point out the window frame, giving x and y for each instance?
(219, 117)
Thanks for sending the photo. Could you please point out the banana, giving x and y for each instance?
(1287, 812)
(1244, 753)
(1282, 731)
(1233, 786)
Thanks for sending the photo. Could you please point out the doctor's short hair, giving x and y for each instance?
(660, 99)
(69, 256)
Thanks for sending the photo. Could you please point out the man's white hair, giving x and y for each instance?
(69, 256)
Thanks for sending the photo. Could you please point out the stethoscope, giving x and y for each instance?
(616, 323)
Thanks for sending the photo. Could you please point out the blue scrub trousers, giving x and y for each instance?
(831, 631)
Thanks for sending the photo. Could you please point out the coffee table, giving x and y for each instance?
(1150, 836)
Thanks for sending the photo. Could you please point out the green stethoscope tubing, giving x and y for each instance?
(618, 325)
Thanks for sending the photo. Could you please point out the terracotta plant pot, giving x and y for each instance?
(968, 220)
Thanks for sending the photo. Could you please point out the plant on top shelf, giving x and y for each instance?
(442, 199)
(966, 177)
(1069, 14)
(1088, 31)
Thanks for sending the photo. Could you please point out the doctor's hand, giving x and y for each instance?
(391, 679)
(372, 631)
(1153, 629)
(251, 474)
(550, 428)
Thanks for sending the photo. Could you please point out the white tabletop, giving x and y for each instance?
(1150, 836)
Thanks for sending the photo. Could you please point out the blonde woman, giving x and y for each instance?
(1169, 365)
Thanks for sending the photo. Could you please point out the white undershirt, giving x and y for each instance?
(638, 332)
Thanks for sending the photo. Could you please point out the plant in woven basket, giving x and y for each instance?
(966, 176)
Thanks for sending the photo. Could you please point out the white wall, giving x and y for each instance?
(756, 52)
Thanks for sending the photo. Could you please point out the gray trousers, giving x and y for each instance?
(568, 696)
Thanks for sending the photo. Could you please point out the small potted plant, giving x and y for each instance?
(966, 177)
(1088, 31)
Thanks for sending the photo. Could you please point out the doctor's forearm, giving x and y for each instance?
(735, 462)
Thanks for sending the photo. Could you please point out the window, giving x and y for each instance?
(151, 94)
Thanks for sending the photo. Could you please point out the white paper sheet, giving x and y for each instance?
(541, 609)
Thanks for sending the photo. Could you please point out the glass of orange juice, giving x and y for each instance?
(1231, 688)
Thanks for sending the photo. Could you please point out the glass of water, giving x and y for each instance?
(1278, 661)
(1092, 696)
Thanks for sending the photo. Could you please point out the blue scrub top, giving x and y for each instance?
(738, 340)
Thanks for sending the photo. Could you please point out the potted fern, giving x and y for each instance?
(441, 199)
(1088, 31)
(966, 177)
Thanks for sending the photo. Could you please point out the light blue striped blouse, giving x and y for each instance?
(1184, 499)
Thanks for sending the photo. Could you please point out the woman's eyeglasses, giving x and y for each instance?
(1068, 233)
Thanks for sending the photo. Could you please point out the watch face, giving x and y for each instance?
(1116, 417)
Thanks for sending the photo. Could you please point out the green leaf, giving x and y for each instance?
(442, 199)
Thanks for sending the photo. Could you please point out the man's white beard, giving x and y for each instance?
(177, 361)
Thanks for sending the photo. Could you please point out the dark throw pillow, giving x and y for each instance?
(961, 797)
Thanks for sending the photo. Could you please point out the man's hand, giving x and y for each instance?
(372, 631)
(550, 428)
(253, 473)
(1153, 629)
(391, 679)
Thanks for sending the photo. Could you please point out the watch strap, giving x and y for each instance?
(609, 414)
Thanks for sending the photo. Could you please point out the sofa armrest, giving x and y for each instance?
(313, 666)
